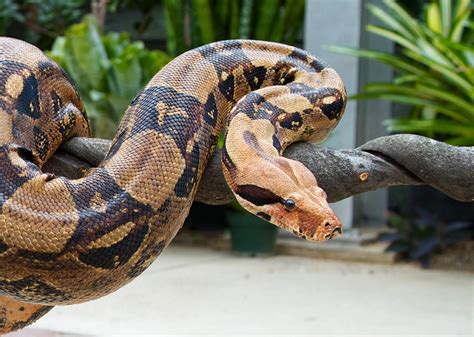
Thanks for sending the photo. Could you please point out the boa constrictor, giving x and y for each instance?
(68, 241)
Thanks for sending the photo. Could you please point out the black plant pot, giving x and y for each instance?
(251, 235)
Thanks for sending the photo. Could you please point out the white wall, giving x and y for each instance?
(342, 23)
(337, 22)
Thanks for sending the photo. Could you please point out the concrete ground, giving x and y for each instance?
(200, 292)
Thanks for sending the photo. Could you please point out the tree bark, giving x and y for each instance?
(385, 161)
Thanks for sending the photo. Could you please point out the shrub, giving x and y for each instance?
(109, 70)
(435, 68)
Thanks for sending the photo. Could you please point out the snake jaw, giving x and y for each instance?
(311, 218)
(266, 194)
(312, 226)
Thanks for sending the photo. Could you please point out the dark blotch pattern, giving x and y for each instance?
(176, 126)
(264, 216)
(210, 111)
(46, 67)
(32, 287)
(118, 253)
(225, 62)
(186, 182)
(265, 109)
(276, 143)
(117, 143)
(292, 121)
(334, 110)
(36, 255)
(9, 67)
(257, 195)
(255, 77)
(152, 252)
(227, 161)
(226, 87)
(95, 223)
(3, 247)
(57, 101)
(28, 100)
(11, 176)
(33, 318)
(67, 123)
(302, 60)
(251, 140)
(41, 143)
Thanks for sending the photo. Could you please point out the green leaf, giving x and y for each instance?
(404, 18)
(393, 37)
(222, 8)
(293, 20)
(421, 95)
(405, 79)
(234, 32)
(125, 74)
(151, 62)
(246, 18)
(464, 107)
(458, 58)
(433, 18)
(392, 60)
(431, 53)
(460, 8)
(445, 10)
(438, 126)
(278, 29)
(426, 247)
(450, 73)
(204, 19)
(58, 51)
(410, 100)
(173, 12)
(109, 70)
(267, 13)
(390, 21)
(85, 55)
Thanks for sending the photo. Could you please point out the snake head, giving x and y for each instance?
(287, 195)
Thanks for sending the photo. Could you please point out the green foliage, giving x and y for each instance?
(435, 68)
(9, 11)
(39, 21)
(191, 23)
(109, 70)
(420, 237)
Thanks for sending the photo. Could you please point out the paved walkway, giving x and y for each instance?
(199, 292)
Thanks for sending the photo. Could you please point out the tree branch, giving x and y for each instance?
(386, 161)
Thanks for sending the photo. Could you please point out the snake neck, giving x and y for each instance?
(277, 189)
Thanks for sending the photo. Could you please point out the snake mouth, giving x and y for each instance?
(326, 230)
(335, 232)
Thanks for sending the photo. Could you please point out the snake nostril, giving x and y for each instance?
(337, 229)
(327, 225)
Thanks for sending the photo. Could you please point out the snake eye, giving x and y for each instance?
(289, 204)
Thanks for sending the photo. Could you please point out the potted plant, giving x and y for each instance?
(250, 235)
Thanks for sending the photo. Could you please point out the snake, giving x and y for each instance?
(66, 241)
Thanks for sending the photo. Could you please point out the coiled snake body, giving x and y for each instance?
(68, 241)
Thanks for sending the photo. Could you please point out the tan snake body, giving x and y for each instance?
(69, 241)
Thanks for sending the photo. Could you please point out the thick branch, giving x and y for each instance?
(385, 161)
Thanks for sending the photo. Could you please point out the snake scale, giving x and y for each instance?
(69, 241)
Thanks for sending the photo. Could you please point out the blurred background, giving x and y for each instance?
(408, 66)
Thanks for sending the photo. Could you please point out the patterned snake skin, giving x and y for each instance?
(69, 241)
